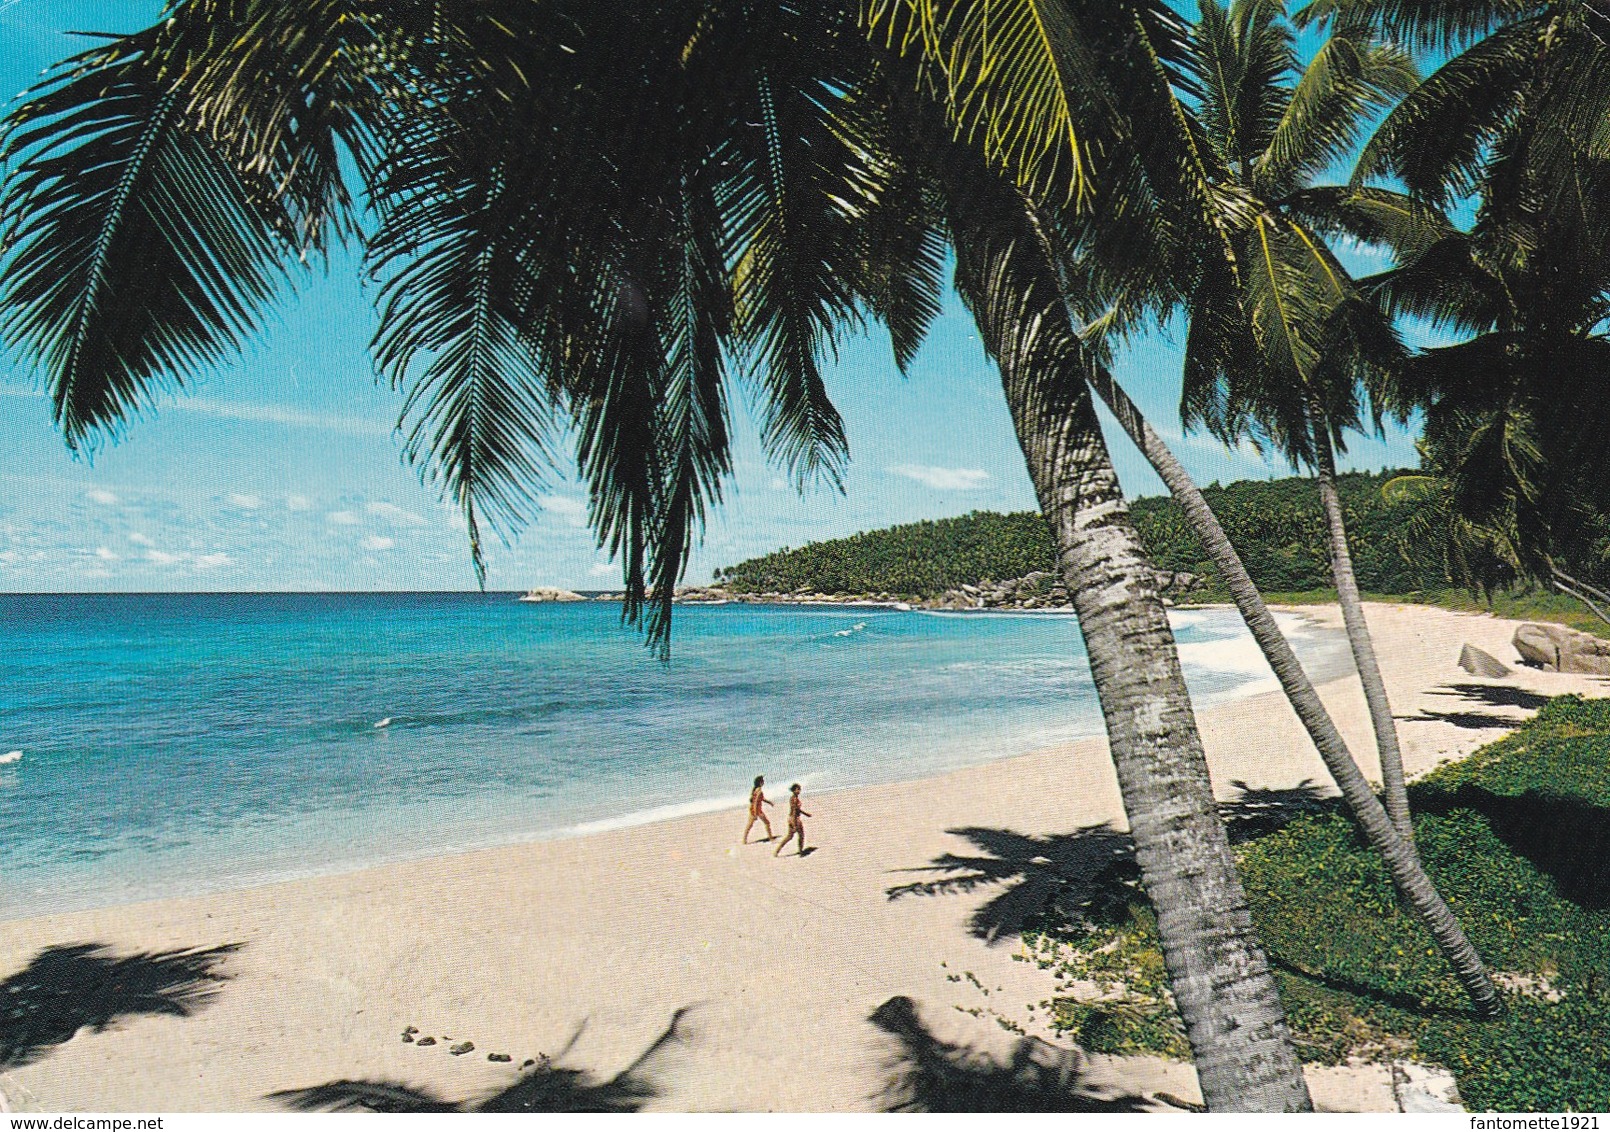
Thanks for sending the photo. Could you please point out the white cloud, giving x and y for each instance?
(601, 570)
(378, 542)
(102, 496)
(106, 554)
(943, 479)
(208, 561)
(344, 518)
(298, 502)
(395, 515)
(244, 501)
(1375, 254)
(275, 414)
(140, 540)
(163, 558)
(572, 511)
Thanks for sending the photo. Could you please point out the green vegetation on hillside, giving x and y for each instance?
(1515, 837)
(1276, 525)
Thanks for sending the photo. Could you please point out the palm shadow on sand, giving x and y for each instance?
(1082, 871)
(70, 986)
(548, 1087)
(927, 1074)
(1471, 698)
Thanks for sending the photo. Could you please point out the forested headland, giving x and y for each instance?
(1277, 526)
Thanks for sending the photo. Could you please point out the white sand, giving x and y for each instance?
(584, 949)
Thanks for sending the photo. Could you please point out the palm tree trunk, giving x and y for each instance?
(1217, 968)
(1358, 636)
(1220, 977)
(1401, 860)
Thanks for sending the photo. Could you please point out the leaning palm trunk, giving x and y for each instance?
(1217, 969)
(1220, 978)
(1401, 861)
(1393, 788)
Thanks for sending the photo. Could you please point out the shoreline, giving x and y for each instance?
(194, 873)
(593, 944)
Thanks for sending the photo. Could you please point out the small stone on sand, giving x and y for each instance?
(498, 1057)
(427, 1041)
(462, 1047)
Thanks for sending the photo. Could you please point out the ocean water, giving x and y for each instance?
(179, 743)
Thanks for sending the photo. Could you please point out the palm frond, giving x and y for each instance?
(1438, 25)
(1446, 285)
(692, 424)
(902, 222)
(453, 245)
(795, 181)
(1016, 77)
(1371, 216)
(1347, 83)
(140, 255)
(1436, 137)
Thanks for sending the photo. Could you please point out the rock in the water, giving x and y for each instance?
(461, 1048)
(551, 593)
(1555, 648)
(1478, 663)
(427, 1041)
(498, 1057)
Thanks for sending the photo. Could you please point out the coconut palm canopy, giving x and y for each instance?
(1518, 121)
(699, 191)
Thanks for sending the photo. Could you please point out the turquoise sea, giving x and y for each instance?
(178, 743)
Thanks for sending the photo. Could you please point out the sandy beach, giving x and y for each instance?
(666, 966)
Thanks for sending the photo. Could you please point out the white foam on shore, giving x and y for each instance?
(671, 812)
(653, 814)
(1237, 656)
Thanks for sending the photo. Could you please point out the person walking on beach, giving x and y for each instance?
(796, 812)
(757, 799)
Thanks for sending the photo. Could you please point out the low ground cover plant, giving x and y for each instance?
(1516, 837)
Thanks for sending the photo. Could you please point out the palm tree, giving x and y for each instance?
(1244, 268)
(1212, 956)
(1517, 120)
(1314, 339)
(690, 187)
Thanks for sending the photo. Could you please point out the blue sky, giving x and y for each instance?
(281, 470)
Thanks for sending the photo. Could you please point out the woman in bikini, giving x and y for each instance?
(795, 825)
(757, 799)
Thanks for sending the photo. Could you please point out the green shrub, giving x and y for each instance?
(1563, 753)
(1512, 836)
(1542, 1057)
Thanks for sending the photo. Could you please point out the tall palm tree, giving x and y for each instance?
(1517, 119)
(1314, 342)
(1013, 293)
(1204, 259)
(690, 187)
